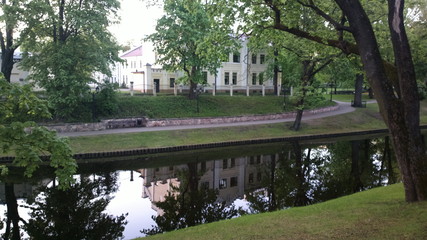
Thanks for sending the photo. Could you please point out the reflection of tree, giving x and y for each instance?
(12, 222)
(300, 176)
(76, 213)
(188, 205)
(289, 181)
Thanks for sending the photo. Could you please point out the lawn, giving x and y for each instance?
(360, 120)
(169, 106)
(379, 213)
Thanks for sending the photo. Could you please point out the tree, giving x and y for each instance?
(347, 26)
(29, 143)
(69, 44)
(188, 39)
(13, 18)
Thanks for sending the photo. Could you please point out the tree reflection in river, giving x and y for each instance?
(76, 213)
(304, 175)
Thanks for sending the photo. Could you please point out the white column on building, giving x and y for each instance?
(148, 77)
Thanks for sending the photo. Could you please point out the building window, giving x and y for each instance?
(205, 77)
(227, 78)
(232, 163)
(262, 58)
(251, 160)
(172, 82)
(258, 177)
(233, 181)
(251, 177)
(224, 164)
(261, 78)
(253, 58)
(203, 167)
(222, 183)
(253, 78)
(205, 185)
(236, 57)
(234, 78)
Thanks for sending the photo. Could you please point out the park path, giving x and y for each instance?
(344, 107)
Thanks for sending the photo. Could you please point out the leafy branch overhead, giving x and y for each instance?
(25, 140)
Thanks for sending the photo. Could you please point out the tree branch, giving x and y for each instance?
(318, 11)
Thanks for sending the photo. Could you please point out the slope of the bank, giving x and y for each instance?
(380, 213)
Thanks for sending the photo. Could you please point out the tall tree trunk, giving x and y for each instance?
(399, 106)
(358, 87)
(7, 63)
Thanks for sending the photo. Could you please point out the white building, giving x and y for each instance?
(244, 71)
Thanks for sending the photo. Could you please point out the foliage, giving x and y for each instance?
(25, 140)
(188, 39)
(77, 213)
(69, 44)
(106, 100)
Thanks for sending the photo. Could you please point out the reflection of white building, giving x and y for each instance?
(18, 75)
(232, 177)
(244, 71)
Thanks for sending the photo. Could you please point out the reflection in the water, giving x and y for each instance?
(266, 178)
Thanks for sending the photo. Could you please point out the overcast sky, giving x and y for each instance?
(137, 21)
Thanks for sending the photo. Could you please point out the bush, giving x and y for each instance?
(106, 102)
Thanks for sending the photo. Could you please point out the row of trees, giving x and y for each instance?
(373, 31)
(64, 43)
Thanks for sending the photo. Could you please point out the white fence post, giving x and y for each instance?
(263, 90)
(231, 90)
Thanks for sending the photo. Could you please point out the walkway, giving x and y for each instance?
(344, 107)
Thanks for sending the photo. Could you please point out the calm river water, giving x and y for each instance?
(125, 195)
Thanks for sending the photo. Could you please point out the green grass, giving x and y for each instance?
(167, 106)
(346, 97)
(361, 119)
(379, 213)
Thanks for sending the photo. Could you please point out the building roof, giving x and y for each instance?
(136, 52)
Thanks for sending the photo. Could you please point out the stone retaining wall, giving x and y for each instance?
(216, 120)
(144, 122)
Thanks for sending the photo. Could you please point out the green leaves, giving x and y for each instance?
(22, 138)
(70, 41)
(189, 38)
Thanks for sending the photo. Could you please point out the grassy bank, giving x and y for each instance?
(362, 119)
(209, 106)
(380, 213)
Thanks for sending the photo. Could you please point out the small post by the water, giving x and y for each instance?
(247, 90)
(263, 90)
(175, 90)
(278, 90)
(180, 89)
(292, 91)
(231, 90)
(131, 89)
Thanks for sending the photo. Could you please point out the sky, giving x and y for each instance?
(137, 21)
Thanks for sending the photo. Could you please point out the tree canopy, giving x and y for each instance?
(187, 38)
(68, 44)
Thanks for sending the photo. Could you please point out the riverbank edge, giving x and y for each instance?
(143, 122)
(143, 151)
